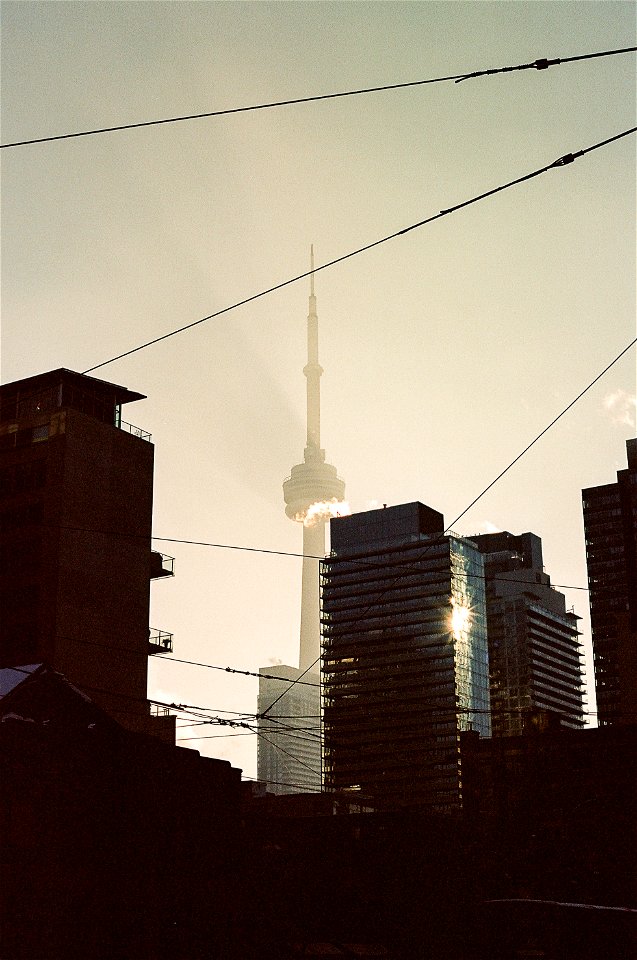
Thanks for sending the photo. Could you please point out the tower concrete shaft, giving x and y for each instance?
(310, 641)
(312, 482)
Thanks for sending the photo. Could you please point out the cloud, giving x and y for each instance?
(487, 527)
(621, 407)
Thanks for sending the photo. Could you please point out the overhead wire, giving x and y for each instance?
(287, 690)
(249, 725)
(287, 754)
(566, 159)
(401, 573)
(371, 564)
(161, 656)
(539, 64)
(560, 162)
(546, 429)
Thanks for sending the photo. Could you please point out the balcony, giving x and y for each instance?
(135, 431)
(159, 641)
(158, 710)
(161, 565)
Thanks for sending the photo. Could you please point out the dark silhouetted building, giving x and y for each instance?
(76, 493)
(610, 529)
(554, 813)
(404, 659)
(535, 656)
(114, 845)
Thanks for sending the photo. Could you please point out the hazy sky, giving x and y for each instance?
(445, 351)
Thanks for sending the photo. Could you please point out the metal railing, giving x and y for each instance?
(135, 431)
(156, 710)
(159, 641)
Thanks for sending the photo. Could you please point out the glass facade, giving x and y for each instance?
(404, 657)
(469, 631)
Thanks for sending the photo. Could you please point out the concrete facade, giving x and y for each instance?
(76, 493)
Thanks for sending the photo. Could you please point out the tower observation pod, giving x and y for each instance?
(313, 493)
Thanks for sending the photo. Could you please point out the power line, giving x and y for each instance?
(285, 734)
(402, 573)
(546, 429)
(245, 673)
(371, 564)
(287, 690)
(540, 64)
(194, 663)
(560, 162)
(285, 752)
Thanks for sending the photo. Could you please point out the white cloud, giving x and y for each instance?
(621, 407)
(487, 527)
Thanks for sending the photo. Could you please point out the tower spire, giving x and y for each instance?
(313, 371)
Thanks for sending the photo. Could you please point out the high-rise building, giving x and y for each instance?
(76, 493)
(610, 530)
(535, 656)
(289, 742)
(313, 493)
(405, 662)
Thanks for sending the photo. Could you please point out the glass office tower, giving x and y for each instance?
(404, 657)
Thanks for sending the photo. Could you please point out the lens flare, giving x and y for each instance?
(460, 620)
(323, 510)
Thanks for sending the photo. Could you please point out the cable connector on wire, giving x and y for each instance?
(567, 158)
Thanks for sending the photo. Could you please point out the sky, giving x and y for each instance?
(445, 351)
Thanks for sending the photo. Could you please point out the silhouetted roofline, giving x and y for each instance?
(41, 381)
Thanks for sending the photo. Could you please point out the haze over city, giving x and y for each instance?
(445, 351)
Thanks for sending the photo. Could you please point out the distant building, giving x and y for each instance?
(405, 662)
(535, 656)
(610, 530)
(76, 494)
(289, 742)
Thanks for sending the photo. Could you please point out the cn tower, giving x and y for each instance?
(313, 492)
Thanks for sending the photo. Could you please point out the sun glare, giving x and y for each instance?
(460, 620)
